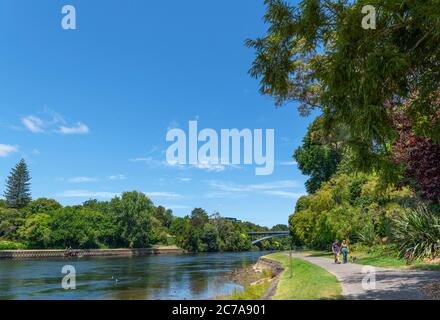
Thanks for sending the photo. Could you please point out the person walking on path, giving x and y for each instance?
(344, 251)
(335, 250)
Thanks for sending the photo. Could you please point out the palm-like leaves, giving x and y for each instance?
(418, 234)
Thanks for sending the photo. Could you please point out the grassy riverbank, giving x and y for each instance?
(255, 284)
(381, 256)
(309, 282)
(255, 292)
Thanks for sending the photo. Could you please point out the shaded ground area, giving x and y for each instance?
(391, 284)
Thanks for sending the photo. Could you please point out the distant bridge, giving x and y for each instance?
(267, 235)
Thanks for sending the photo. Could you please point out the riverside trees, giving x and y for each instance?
(316, 53)
(380, 87)
(130, 220)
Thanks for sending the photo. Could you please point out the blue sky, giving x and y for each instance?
(89, 109)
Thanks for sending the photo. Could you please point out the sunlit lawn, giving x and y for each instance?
(309, 281)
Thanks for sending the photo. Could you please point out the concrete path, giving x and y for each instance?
(391, 284)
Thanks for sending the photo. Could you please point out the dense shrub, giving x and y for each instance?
(11, 245)
(352, 207)
(10, 221)
(418, 233)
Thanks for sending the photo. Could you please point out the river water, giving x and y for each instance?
(189, 276)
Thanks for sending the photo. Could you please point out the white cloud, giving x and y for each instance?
(275, 188)
(149, 161)
(117, 177)
(158, 194)
(7, 149)
(107, 195)
(140, 159)
(87, 194)
(225, 194)
(276, 185)
(79, 128)
(175, 206)
(33, 124)
(206, 166)
(53, 121)
(232, 187)
(82, 180)
(285, 194)
(289, 163)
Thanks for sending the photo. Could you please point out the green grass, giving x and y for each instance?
(255, 292)
(309, 281)
(252, 292)
(380, 256)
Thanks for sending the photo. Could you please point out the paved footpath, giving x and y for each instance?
(391, 284)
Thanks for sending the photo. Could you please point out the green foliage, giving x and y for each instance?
(164, 216)
(418, 233)
(351, 207)
(210, 238)
(37, 230)
(77, 227)
(133, 212)
(17, 192)
(199, 217)
(233, 236)
(11, 245)
(319, 155)
(127, 221)
(317, 53)
(42, 205)
(201, 233)
(254, 292)
(10, 221)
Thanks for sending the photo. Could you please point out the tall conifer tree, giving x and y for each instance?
(17, 192)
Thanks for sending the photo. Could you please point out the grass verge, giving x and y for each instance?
(309, 281)
(255, 292)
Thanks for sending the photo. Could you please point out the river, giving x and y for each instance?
(188, 276)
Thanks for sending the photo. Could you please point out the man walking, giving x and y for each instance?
(335, 250)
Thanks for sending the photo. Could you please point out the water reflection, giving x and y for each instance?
(152, 277)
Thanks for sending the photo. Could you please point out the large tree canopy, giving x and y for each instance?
(318, 54)
(319, 154)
